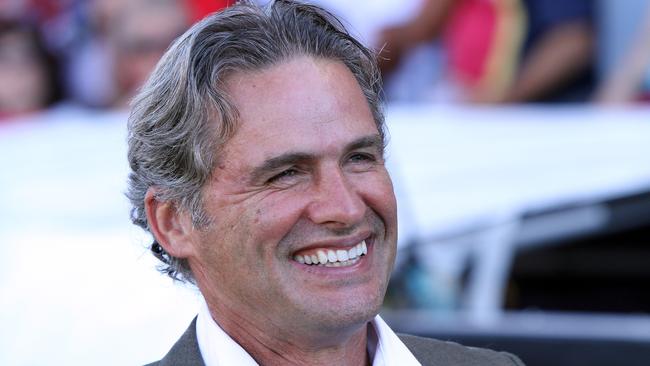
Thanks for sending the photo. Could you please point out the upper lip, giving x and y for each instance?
(340, 242)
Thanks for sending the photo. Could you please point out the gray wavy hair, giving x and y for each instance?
(182, 117)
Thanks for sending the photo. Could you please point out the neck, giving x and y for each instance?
(270, 346)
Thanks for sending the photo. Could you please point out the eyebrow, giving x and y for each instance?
(374, 141)
(294, 158)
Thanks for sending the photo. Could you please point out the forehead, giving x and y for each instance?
(303, 103)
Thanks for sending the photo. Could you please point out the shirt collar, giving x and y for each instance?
(388, 348)
(218, 349)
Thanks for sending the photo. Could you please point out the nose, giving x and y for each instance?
(336, 201)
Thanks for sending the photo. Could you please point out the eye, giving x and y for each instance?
(362, 158)
(285, 175)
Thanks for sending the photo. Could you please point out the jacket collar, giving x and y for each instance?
(185, 351)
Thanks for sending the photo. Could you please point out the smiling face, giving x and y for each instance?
(304, 228)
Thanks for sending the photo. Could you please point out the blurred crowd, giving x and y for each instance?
(523, 51)
(96, 53)
(92, 53)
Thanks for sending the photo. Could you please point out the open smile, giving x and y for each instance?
(324, 257)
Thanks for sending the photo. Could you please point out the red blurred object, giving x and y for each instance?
(469, 38)
(46, 9)
(200, 8)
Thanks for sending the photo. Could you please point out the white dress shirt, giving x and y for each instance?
(218, 349)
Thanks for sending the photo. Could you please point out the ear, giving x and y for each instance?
(171, 227)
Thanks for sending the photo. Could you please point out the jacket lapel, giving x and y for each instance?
(185, 351)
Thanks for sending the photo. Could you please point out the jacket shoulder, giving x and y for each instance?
(184, 352)
(434, 352)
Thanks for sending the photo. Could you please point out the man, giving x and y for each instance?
(256, 151)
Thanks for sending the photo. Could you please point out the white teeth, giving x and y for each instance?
(342, 264)
(300, 259)
(322, 257)
(331, 258)
(342, 255)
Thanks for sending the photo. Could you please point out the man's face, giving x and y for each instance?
(302, 180)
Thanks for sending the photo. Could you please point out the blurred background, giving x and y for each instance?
(519, 148)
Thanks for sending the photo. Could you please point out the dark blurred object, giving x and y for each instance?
(606, 271)
(559, 52)
(578, 292)
(29, 79)
(505, 51)
(582, 257)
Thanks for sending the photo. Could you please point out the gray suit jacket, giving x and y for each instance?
(429, 352)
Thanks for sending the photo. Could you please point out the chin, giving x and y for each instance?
(337, 316)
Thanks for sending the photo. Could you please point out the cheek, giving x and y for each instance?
(252, 234)
(278, 214)
(379, 195)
